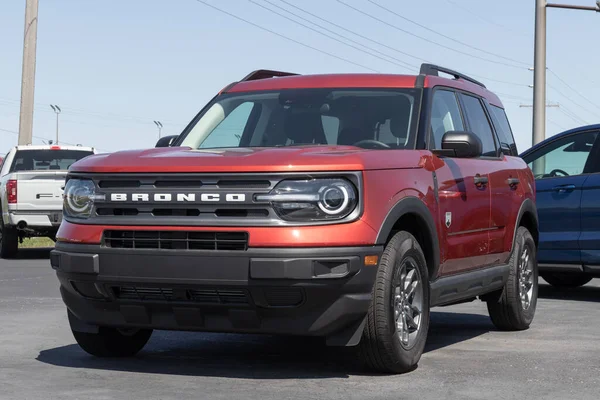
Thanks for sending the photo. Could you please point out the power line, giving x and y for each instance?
(285, 37)
(570, 87)
(556, 123)
(423, 38)
(352, 32)
(572, 115)
(571, 100)
(448, 37)
(403, 63)
(489, 21)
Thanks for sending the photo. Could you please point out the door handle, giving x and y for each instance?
(563, 188)
(480, 180)
(512, 182)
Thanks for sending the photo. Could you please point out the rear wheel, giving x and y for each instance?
(9, 241)
(113, 342)
(513, 308)
(398, 318)
(565, 280)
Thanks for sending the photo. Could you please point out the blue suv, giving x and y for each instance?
(567, 177)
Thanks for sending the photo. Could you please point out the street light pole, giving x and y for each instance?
(159, 125)
(57, 110)
(539, 69)
(28, 73)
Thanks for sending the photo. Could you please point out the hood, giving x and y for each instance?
(277, 159)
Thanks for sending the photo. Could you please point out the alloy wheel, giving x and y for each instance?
(407, 302)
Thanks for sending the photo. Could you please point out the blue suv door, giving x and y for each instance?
(561, 168)
(589, 241)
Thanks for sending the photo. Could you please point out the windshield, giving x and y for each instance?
(374, 118)
(43, 160)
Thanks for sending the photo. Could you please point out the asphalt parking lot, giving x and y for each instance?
(558, 358)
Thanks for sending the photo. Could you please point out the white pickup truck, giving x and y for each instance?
(31, 187)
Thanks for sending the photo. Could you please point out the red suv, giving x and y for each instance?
(341, 206)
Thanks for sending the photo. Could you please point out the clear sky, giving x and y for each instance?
(114, 66)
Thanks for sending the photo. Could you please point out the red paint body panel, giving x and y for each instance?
(291, 159)
(357, 233)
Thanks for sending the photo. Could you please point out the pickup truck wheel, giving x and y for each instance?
(9, 241)
(398, 318)
(565, 280)
(113, 342)
(514, 307)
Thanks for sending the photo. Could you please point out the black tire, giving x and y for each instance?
(565, 280)
(380, 348)
(112, 342)
(9, 241)
(507, 310)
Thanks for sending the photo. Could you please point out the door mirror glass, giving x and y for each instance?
(461, 144)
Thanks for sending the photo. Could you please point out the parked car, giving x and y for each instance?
(340, 206)
(31, 182)
(567, 179)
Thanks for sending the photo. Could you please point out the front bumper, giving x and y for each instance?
(297, 291)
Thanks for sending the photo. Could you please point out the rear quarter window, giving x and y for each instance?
(505, 135)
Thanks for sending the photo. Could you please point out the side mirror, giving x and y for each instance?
(166, 141)
(461, 144)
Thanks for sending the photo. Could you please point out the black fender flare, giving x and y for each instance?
(526, 206)
(412, 205)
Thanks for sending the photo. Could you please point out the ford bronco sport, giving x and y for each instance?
(340, 206)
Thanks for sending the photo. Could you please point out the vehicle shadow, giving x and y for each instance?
(38, 253)
(255, 356)
(583, 293)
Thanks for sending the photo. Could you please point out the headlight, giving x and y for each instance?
(79, 198)
(312, 200)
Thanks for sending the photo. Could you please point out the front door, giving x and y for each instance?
(561, 169)
(463, 192)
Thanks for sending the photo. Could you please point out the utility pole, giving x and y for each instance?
(159, 126)
(539, 69)
(57, 110)
(531, 105)
(28, 73)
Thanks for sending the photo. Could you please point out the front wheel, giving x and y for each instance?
(565, 280)
(113, 342)
(398, 318)
(514, 306)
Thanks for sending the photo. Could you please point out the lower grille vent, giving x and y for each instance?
(176, 240)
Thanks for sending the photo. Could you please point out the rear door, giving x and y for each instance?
(464, 195)
(561, 169)
(589, 240)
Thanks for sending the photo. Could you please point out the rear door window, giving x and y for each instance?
(479, 124)
(503, 129)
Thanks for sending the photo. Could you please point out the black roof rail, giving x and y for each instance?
(265, 74)
(431, 69)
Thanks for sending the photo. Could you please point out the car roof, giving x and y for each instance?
(266, 80)
(559, 135)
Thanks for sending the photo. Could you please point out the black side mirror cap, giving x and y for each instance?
(166, 141)
(461, 144)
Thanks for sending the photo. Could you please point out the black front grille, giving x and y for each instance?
(176, 240)
(200, 296)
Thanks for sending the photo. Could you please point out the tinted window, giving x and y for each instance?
(563, 157)
(42, 160)
(445, 116)
(294, 117)
(503, 128)
(479, 124)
